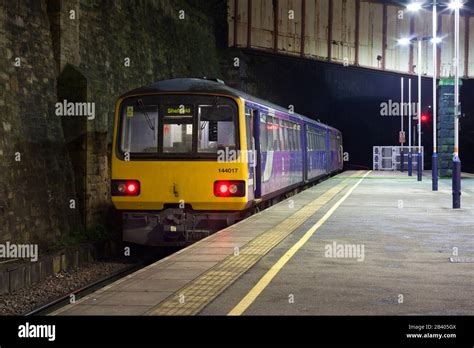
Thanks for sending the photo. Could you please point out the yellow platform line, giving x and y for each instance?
(242, 306)
(194, 296)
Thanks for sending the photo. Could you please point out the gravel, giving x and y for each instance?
(53, 287)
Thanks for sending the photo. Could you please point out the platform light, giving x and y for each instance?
(455, 4)
(414, 6)
(404, 41)
(436, 40)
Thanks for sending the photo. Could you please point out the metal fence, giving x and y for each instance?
(388, 157)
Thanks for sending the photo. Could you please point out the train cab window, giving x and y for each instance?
(177, 136)
(140, 130)
(216, 128)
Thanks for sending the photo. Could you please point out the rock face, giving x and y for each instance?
(54, 170)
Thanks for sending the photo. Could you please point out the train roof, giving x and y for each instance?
(195, 85)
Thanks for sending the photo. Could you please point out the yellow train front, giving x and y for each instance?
(184, 159)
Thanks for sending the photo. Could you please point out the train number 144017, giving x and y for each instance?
(228, 170)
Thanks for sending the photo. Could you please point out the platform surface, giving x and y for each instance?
(359, 243)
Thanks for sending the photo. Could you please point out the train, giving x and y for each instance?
(191, 156)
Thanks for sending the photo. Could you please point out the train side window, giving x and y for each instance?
(249, 128)
(291, 129)
(291, 136)
(298, 137)
(276, 137)
(281, 136)
(263, 132)
(294, 137)
(308, 140)
(269, 133)
(286, 138)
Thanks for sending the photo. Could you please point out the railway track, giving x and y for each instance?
(64, 300)
(148, 256)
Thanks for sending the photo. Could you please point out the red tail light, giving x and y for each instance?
(125, 187)
(229, 188)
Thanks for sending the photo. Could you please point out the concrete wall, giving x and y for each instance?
(80, 56)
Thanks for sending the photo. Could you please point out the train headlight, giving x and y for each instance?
(121, 188)
(232, 188)
(125, 187)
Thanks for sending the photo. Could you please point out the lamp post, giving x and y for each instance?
(419, 159)
(415, 7)
(434, 159)
(456, 5)
(410, 154)
(407, 41)
(402, 135)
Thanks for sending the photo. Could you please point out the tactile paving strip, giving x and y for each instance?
(193, 297)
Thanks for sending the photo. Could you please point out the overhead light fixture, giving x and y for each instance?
(404, 41)
(414, 6)
(436, 40)
(455, 4)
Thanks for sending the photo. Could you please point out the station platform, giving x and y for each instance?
(359, 243)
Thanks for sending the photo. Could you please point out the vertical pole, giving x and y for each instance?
(357, 32)
(249, 23)
(456, 160)
(419, 159)
(434, 161)
(303, 26)
(402, 151)
(410, 154)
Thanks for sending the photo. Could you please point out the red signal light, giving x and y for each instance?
(424, 118)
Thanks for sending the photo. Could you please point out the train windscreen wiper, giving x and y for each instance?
(142, 109)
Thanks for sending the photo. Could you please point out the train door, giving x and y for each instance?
(328, 150)
(341, 151)
(257, 154)
(304, 149)
(253, 147)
